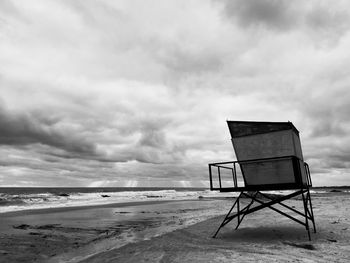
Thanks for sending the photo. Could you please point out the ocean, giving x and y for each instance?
(23, 198)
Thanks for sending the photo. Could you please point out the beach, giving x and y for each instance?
(175, 231)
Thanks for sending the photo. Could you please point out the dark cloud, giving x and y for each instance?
(24, 129)
(340, 158)
(328, 127)
(324, 18)
(321, 21)
(329, 112)
(273, 14)
(153, 138)
(30, 131)
(153, 145)
(46, 167)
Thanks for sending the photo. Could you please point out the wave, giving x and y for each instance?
(18, 202)
(60, 198)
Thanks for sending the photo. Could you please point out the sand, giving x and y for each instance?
(73, 233)
(175, 232)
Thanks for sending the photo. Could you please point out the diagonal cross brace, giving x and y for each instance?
(268, 204)
(247, 210)
(286, 206)
(283, 213)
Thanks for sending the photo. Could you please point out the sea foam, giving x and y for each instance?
(17, 202)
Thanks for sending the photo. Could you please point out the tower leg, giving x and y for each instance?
(311, 210)
(306, 215)
(227, 219)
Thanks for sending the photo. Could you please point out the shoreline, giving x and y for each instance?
(31, 211)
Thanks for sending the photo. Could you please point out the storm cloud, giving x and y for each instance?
(279, 15)
(24, 129)
(129, 93)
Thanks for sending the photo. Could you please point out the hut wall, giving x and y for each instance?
(268, 172)
(267, 145)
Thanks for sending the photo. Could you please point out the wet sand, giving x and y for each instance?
(176, 232)
(263, 237)
(73, 233)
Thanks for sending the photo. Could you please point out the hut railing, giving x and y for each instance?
(234, 166)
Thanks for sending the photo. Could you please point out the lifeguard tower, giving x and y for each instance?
(269, 157)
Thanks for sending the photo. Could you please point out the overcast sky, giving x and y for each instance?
(137, 93)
